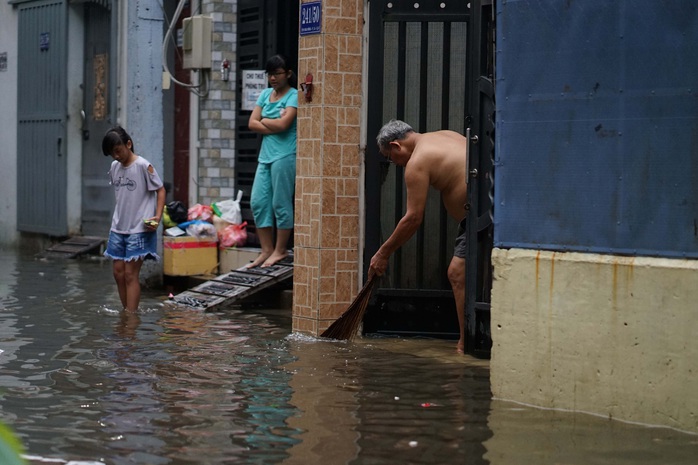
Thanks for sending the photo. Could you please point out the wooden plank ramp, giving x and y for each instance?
(233, 286)
(74, 246)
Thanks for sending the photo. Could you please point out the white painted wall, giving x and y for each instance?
(141, 26)
(9, 236)
(604, 334)
(75, 78)
(8, 127)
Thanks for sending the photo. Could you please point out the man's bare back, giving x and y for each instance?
(443, 155)
(433, 159)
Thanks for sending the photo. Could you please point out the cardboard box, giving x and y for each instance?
(233, 258)
(189, 256)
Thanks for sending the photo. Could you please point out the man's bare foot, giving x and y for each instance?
(261, 258)
(460, 347)
(274, 259)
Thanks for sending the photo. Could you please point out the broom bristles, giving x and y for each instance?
(347, 325)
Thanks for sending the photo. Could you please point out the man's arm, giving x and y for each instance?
(417, 184)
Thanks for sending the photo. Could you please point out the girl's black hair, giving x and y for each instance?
(115, 136)
(280, 61)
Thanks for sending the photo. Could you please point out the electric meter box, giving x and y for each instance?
(196, 42)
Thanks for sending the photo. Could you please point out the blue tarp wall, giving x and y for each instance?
(597, 126)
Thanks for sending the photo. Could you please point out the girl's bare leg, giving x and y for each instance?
(119, 270)
(266, 240)
(133, 285)
(281, 249)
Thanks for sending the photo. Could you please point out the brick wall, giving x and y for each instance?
(329, 161)
(217, 111)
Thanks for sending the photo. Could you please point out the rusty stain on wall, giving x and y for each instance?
(99, 107)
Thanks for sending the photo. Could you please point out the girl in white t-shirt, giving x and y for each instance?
(140, 200)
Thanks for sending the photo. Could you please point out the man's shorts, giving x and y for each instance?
(461, 249)
(128, 247)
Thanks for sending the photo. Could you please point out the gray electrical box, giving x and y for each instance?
(196, 42)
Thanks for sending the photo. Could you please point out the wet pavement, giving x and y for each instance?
(81, 382)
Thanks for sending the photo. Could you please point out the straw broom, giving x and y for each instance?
(347, 325)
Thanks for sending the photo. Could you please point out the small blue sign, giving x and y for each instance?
(311, 18)
(44, 41)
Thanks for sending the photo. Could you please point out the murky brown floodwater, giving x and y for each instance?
(80, 383)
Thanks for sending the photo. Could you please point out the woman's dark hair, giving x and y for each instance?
(115, 136)
(280, 61)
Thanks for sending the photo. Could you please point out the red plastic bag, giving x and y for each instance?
(234, 235)
(200, 212)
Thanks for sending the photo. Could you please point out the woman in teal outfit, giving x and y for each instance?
(272, 197)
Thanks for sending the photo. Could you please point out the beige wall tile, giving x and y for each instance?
(305, 325)
(333, 89)
(332, 160)
(343, 25)
(332, 310)
(330, 231)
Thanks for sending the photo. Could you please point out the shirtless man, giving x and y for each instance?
(430, 159)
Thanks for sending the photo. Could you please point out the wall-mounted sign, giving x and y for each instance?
(253, 83)
(3, 61)
(44, 41)
(311, 18)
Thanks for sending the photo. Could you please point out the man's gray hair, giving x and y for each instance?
(392, 130)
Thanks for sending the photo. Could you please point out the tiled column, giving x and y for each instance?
(217, 111)
(326, 276)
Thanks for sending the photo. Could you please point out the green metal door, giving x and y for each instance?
(41, 115)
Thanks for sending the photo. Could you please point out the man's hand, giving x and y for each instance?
(379, 263)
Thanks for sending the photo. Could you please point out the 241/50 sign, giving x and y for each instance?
(311, 18)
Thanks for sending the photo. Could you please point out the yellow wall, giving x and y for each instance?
(615, 336)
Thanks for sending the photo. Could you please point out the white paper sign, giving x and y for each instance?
(253, 83)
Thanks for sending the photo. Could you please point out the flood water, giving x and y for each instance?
(81, 383)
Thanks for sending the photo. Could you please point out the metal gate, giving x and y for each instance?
(421, 71)
(265, 28)
(480, 227)
(41, 110)
(97, 117)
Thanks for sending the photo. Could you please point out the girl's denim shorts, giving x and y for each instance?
(128, 247)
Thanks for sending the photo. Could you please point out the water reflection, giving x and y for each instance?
(128, 323)
(80, 380)
(524, 435)
(385, 401)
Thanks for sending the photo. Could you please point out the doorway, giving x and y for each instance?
(425, 61)
(265, 28)
(97, 118)
(41, 118)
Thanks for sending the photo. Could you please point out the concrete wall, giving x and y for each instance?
(8, 127)
(74, 81)
(141, 114)
(610, 335)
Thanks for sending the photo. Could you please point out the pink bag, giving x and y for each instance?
(234, 235)
(200, 212)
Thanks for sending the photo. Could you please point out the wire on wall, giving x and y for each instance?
(194, 88)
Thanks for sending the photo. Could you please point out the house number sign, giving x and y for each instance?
(311, 18)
